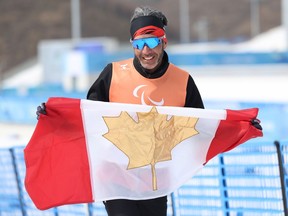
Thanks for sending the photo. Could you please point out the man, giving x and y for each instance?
(148, 79)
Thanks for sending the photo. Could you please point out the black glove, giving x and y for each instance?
(41, 110)
(256, 124)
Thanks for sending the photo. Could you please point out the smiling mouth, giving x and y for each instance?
(148, 58)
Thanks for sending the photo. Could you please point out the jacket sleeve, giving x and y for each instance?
(193, 97)
(99, 91)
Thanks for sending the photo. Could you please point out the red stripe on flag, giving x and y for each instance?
(233, 131)
(57, 167)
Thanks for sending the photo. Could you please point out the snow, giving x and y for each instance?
(255, 83)
(30, 77)
(15, 134)
(274, 40)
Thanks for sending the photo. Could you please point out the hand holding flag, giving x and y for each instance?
(84, 151)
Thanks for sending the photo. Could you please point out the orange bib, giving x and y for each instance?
(129, 86)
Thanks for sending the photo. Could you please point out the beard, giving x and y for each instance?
(151, 62)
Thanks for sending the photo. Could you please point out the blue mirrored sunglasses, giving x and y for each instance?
(151, 42)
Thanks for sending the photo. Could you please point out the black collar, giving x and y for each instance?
(158, 73)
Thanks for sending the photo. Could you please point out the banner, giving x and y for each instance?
(86, 151)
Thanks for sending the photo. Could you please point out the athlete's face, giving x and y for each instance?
(149, 58)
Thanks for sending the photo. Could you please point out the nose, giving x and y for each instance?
(146, 48)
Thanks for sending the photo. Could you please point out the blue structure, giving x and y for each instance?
(96, 61)
(249, 180)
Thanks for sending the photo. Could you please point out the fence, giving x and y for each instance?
(97, 61)
(250, 180)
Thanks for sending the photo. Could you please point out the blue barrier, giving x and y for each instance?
(21, 109)
(15, 108)
(96, 61)
(252, 179)
(246, 181)
(226, 58)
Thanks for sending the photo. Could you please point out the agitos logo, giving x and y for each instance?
(143, 97)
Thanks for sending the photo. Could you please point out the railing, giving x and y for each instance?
(250, 180)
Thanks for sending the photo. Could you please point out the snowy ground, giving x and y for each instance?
(255, 83)
(15, 134)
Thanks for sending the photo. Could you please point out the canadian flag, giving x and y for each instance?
(86, 151)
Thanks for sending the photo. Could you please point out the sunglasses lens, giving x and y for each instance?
(138, 44)
(150, 42)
